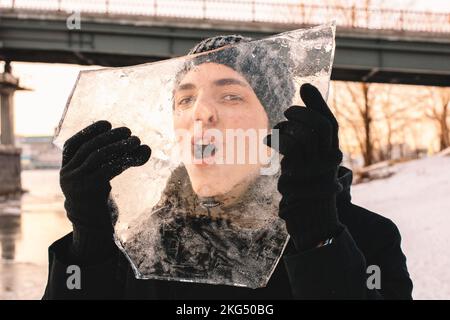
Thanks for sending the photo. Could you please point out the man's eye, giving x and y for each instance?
(185, 101)
(232, 97)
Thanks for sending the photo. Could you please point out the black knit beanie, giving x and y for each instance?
(267, 68)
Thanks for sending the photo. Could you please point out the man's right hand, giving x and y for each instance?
(91, 158)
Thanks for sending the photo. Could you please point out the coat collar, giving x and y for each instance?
(345, 178)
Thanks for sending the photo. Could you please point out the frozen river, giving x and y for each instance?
(27, 228)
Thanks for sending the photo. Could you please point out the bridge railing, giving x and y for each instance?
(288, 12)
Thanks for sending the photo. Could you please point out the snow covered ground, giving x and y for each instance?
(417, 199)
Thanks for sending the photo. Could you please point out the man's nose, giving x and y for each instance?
(205, 111)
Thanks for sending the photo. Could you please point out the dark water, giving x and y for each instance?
(28, 225)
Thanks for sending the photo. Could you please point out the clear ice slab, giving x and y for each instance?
(166, 224)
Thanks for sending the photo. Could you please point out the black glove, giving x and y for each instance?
(91, 158)
(308, 183)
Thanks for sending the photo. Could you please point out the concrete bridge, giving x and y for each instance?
(372, 46)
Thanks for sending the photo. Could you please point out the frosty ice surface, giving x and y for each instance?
(185, 215)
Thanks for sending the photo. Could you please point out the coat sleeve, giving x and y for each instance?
(68, 280)
(338, 271)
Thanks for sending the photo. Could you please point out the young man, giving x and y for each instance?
(333, 242)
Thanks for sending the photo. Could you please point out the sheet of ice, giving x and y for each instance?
(165, 229)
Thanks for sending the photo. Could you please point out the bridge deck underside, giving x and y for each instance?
(361, 55)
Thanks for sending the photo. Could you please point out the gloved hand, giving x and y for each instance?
(91, 158)
(308, 183)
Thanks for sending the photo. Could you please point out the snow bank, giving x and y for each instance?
(417, 199)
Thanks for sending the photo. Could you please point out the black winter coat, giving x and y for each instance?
(339, 270)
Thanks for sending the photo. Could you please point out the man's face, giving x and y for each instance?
(211, 104)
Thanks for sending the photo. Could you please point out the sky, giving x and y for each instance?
(38, 112)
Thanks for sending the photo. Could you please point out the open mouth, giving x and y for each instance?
(203, 151)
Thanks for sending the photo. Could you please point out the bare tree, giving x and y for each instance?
(359, 93)
(349, 128)
(439, 113)
(352, 108)
(383, 121)
(394, 112)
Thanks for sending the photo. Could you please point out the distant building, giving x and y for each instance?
(10, 183)
(39, 152)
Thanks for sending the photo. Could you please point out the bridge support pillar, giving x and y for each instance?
(7, 116)
(10, 168)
